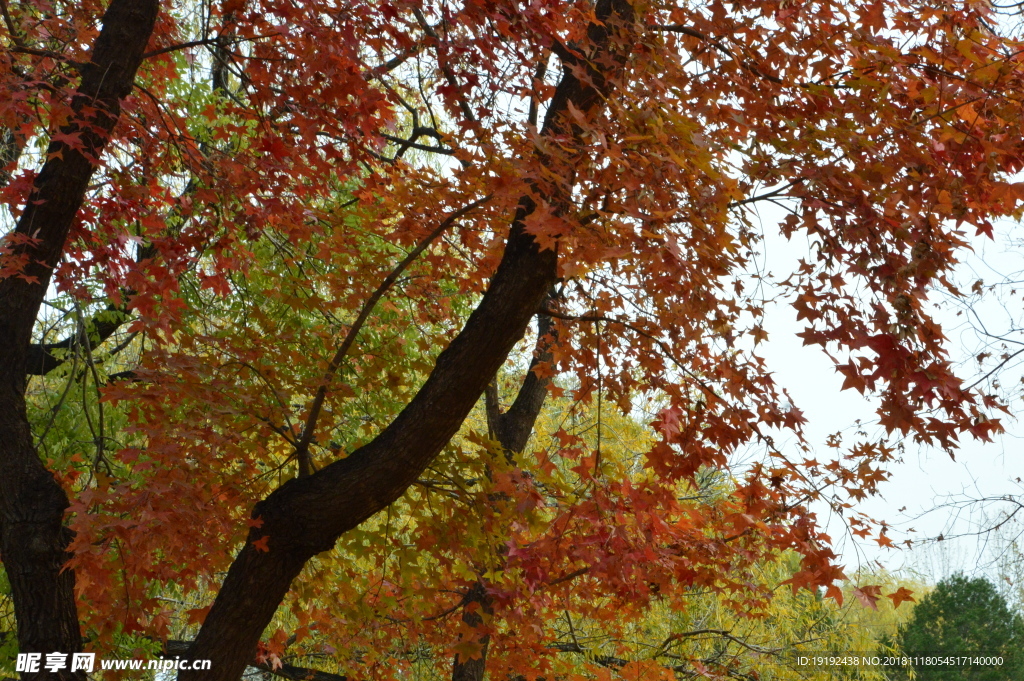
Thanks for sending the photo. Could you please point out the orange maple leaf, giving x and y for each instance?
(900, 595)
(197, 615)
(868, 595)
(468, 650)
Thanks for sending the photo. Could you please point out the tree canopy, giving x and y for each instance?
(265, 258)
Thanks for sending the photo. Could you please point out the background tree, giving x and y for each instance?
(964, 617)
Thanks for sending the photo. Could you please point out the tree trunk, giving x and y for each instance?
(512, 430)
(478, 603)
(33, 539)
(308, 514)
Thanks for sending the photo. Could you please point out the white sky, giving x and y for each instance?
(925, 478)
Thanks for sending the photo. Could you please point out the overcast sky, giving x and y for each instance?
(925, 478)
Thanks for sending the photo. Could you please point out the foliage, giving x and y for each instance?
(871, 625)
(795, 624)
(310, 234)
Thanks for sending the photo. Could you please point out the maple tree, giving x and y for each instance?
(288, 209)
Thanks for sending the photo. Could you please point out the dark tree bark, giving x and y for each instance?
(512, 428)
(478, 603)
(11, 146)
(308, 514)
(33, 539)
(46, 357)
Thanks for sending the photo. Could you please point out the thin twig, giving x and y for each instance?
(206, 41)
(180, 46)
(446, 70)
(994, 370)
(723, 634)
(781, 191)
(302, 448)
(10, 24)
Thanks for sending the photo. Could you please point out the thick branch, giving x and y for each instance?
(302, 448)
(603, 660)
(45, 357)
(308, 514)
(477, 603)
(513, 428)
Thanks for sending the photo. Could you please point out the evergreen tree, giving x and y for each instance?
(963, 617)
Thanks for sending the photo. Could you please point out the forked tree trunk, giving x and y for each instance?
(308, 514)
(512, 430)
